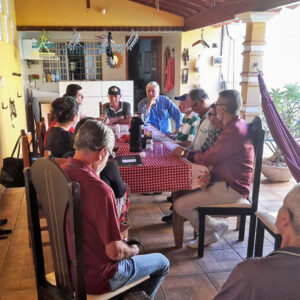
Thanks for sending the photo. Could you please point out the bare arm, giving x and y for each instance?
(118, 250)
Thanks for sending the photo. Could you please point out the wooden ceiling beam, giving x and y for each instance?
(99, 28)
(197, 5)
(165, 4)
(227, 11)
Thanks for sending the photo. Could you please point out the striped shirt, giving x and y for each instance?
(186, 131)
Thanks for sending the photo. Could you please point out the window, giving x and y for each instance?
(84, 62)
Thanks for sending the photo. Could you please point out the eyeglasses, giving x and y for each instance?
(112, 154)
(211, 114)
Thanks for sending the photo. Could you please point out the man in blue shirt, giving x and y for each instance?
(158, 109)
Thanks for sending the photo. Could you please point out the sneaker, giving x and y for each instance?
(168, 219)
(219, 230)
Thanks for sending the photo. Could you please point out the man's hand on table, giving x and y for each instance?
(178, 151)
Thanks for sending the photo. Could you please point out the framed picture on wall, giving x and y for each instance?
(185, 75)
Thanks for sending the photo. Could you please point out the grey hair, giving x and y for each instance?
(233, 101)
(154, 84)
(292, 204)
(198, 94)
(94, 136)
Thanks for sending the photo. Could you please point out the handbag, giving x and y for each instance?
(12, 169)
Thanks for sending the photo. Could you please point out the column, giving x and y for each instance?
(253, 60)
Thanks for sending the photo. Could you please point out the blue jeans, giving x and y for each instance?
(134, 268)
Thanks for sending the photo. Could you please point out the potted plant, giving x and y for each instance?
(287, 102)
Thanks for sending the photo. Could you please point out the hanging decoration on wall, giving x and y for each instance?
(132, 40)
(13, 111)
(185, 56)
(202, 41)
(116, 61)
(75, 42)
(43, 47)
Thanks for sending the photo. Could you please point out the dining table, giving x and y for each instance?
(160, 170)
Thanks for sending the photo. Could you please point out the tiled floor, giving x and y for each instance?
(189, 278)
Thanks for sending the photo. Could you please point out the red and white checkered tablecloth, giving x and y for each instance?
(158, 173)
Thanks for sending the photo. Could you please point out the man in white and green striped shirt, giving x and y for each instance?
(186, 131)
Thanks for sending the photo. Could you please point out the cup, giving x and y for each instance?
(159, 149)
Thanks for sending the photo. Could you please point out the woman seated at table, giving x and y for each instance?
(59, 139)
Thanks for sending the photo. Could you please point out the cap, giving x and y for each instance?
(114, 90)
(182, 97)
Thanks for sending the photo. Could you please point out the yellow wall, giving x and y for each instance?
(208, 77)
(74, 13)
(9, 63)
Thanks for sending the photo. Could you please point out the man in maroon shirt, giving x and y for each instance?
(109, 263)
(231, 160)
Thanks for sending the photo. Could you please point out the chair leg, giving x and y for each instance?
(242, 228)
(277, 242)
(251, 236)
(178, 228)
(201, 235)
(259, 239)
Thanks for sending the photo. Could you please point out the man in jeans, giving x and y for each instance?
(109, 263)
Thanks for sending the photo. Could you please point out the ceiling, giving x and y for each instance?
(201, 13)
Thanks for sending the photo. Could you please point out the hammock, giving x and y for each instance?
(288, 146)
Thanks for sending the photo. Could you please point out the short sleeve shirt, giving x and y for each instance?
(100, 226)
(125, 110)
(59, 141)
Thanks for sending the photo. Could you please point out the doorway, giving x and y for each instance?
(144, 65)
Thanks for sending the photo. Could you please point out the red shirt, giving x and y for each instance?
(232, 157)
(100, 226)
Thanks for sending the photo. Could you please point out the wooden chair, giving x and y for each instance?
(100, 109)
(242, 208)
(40, 132)
(27, 161)
(48, 188)
(266, 221)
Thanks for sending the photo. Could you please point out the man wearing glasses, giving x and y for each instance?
(231, 161)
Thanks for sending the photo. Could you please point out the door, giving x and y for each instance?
(143, 64)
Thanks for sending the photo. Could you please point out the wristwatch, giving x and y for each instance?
(183, 153)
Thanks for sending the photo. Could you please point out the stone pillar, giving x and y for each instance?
(253, 60)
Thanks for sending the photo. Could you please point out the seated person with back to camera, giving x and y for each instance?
(275, 277)
(109, 263)
(59, 139)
